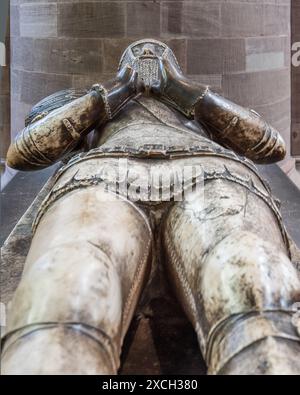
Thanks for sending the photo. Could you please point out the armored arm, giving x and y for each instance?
(238, 128)
(50, 137)
(241, 129)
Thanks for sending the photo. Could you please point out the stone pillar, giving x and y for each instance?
(296, 78)
(241, 48)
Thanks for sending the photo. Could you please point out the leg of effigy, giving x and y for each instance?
(84, 273)
(231, 271)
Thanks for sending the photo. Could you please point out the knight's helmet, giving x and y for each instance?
(144, 56)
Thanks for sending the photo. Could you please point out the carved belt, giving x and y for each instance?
(72, 177)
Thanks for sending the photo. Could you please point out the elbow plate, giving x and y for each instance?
(54, 128)
(240, 129)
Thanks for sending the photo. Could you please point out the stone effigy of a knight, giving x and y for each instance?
(224, 245)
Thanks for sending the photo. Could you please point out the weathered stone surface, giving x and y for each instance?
(57, 56)
(241, 20)
(179, 47)
(112, 51)
(85, 81)
(265, 61)
(295, 139)
(15, 82)
(201, 19)
(214, 56)
(36, 86)
(249, 20)
(20, 110)
(5, 111)
(91, 19)
(4, 81)
(193, 18)
(213, 80)
(262, 47)
(68, 56)
(4, 130)
(5, 99)
(152, 339)
(276, 19)
(172, 17)
(20, 242)
(22, 53)
(14, 21)
(143, 18)
(274, 112)
(225, 43)
(38, 21)
(160, 340)
(296, 96)
(261, 87)
(296, 81)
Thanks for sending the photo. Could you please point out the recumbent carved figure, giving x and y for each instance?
(224, 245)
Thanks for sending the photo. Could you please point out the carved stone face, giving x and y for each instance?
(142, 48)
(144, 56)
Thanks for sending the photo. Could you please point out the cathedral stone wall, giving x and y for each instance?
(4, 83)
(4, 109)
(296, 77)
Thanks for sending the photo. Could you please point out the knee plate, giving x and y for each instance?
(223, 272)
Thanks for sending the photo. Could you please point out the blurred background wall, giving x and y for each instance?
(4, 81)
(296, 78)
(241, 48)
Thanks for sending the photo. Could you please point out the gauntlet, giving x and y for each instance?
(238, 128)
